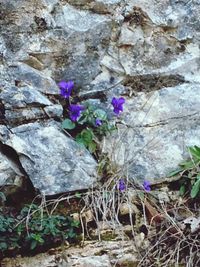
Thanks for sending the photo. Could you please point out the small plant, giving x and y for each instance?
(89, 123)
(34, 228)
(190, 173)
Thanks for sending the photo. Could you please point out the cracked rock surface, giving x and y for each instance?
(53, 162)
(157, 128)
(146, 50)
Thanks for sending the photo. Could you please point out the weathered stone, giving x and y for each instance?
(26, 103)
(102, 254)
(4, 132)
(97, 6)
(160, 27)
(127, 209)
(84, 36)
(29, 76)
(22, 97)
(9, 173)
(54, 162)
(92, 261)
(54, 111)
(157, 130)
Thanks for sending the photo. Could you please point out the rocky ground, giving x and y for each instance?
(155, 229)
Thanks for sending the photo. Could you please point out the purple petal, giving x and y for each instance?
(118, 104)
(66, 85)
(73, 118)
(65, 93)
(120, 108)
(66, 88)
(116, 110)
(70, 85)
(62, 84)
(121, 101)
(147, 185)
(121, 185)
(75, 111)
(114, 101)
(98, 122)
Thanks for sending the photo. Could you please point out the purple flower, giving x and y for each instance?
(121, 185)
(66, 88)
(146, 186)
(75, 112)
(118, 104)
(98, 122)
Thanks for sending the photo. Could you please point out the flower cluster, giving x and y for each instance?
(93, 121)
(66, 88)
(121, 186)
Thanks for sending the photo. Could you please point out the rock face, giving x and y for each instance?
(53, 162)
(157, 129)
(147, 51)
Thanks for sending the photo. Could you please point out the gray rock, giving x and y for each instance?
(54, 162)
(85, 36)
(22, 97)
(30, 76)
(23, 104)
(156, 43)
(156, 131)
(54, 111)
(92, 261)
(63, 40)
(9, 173)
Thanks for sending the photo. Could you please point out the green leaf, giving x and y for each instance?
(92, 147)
(195, 152)
(33, 244)
(100, 114)
(3, 246)
(198, 176)
(175, 172)
(195, 189)
(87, 136)
(80, 140)
(182, 190)
(78, 195)
(82, 120)
(68, 124)
(185, 165)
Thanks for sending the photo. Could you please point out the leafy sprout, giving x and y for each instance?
(190, 173)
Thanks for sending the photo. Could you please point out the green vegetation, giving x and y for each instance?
(34, 227)
(189, 172)
(91, 126)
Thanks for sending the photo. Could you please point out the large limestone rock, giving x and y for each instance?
(54, 162)
(156, 130)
